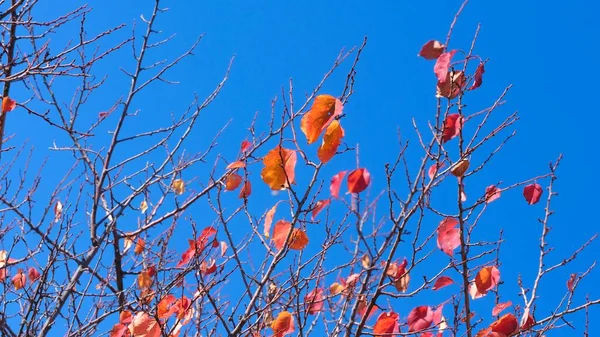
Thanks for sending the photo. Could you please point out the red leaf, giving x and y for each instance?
(442, 65)
(532, 193)
(571, 282)
(396, 270)
(386, 325)
(500, 307)
(336, 181)
(196, 245)
(8, 104)
(319, 207)
(432, 50)
(33, 274)
(452, 86)
(420, 318)
(358, 180)
(298, 239)
(491, 193)
(527, 321)
(314, 301)
(441, 282)
(452, 126)
(233, 181)
(448, 235)
(245, 146)
(506, 325)
(246, 190)
(433, 168)
(478, 77)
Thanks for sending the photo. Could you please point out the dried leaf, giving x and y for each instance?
(144, 280)
(139, 246)
(452, 86)
(366, 261)
(143, 206)
(236, 165)
(331, 141)
(8, 104)
(571, 282)
(323, 111)
(459, 169)
(58, 207)
(269, 220)
(432, 50)
(498, 308)
(358, 180)
(491, 193)
(280, 164)
(402, 283)
(478, 77)
(178, 186)
(19, 280)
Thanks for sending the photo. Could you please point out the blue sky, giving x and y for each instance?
(546, 51)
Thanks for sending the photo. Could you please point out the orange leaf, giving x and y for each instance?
(144, 325)
(386, 325)
(165, 307)
(246, 190)
(283, 324)
(8, 104)
(235, 165)
(233, 181)
(487, 278)
(506, 325)
(331, 141)
(139, 247)
(178, 186)
(336, 181)
(245, 145)
(19, 280)
(323, 111)
(319, 207)
(269, 220)
(298, 239)
(402, 283)
(358, 180)
(280, 164)
(144, 280)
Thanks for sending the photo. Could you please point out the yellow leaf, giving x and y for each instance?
(178, 186)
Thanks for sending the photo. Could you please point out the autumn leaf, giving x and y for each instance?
(442, 282)
(448, 236)
(314, 301)
(233, 181)
(33, 274)
(487, 278)
(143, 206)
(166, 307)
(452, 126)
(336, 181)
(298, 239)
(8, 104)
(19, 280)
(144, 325)
(498, 308)
(178, 186)
(269, 220)
(442, 65)
(533, 193)
(358, 180)
(571, 282)
(420, 318)
(527, 321)
(452, 86)
(432, 50)
(386, 325)
(323, 111)
(395, 270)
(283, 324)
(460, 168)
(144, 280)
(491, 193)
(139, 246)
(365, 261)
(245, 145)
(224, 247)
(478, 77)
(58, 207)
(506, 325)
(209, 267)
(319, 207)
(331, 141)
(402, 283)
(236, 165)
(280, 164)
(246, 190)
(197, 246)
(433, 169)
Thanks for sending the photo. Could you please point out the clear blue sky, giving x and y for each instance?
(546, 49)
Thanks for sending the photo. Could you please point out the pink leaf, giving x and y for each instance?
(420, 318)
(432, 50)
(452, 126)
(441, 282)
(448, 235)
(336, 181)
(500, 307)
(491, 193)
(314, 301)
(319, 207)
(532, 193)
(571, 282)
(433, 168)
(442, 65)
